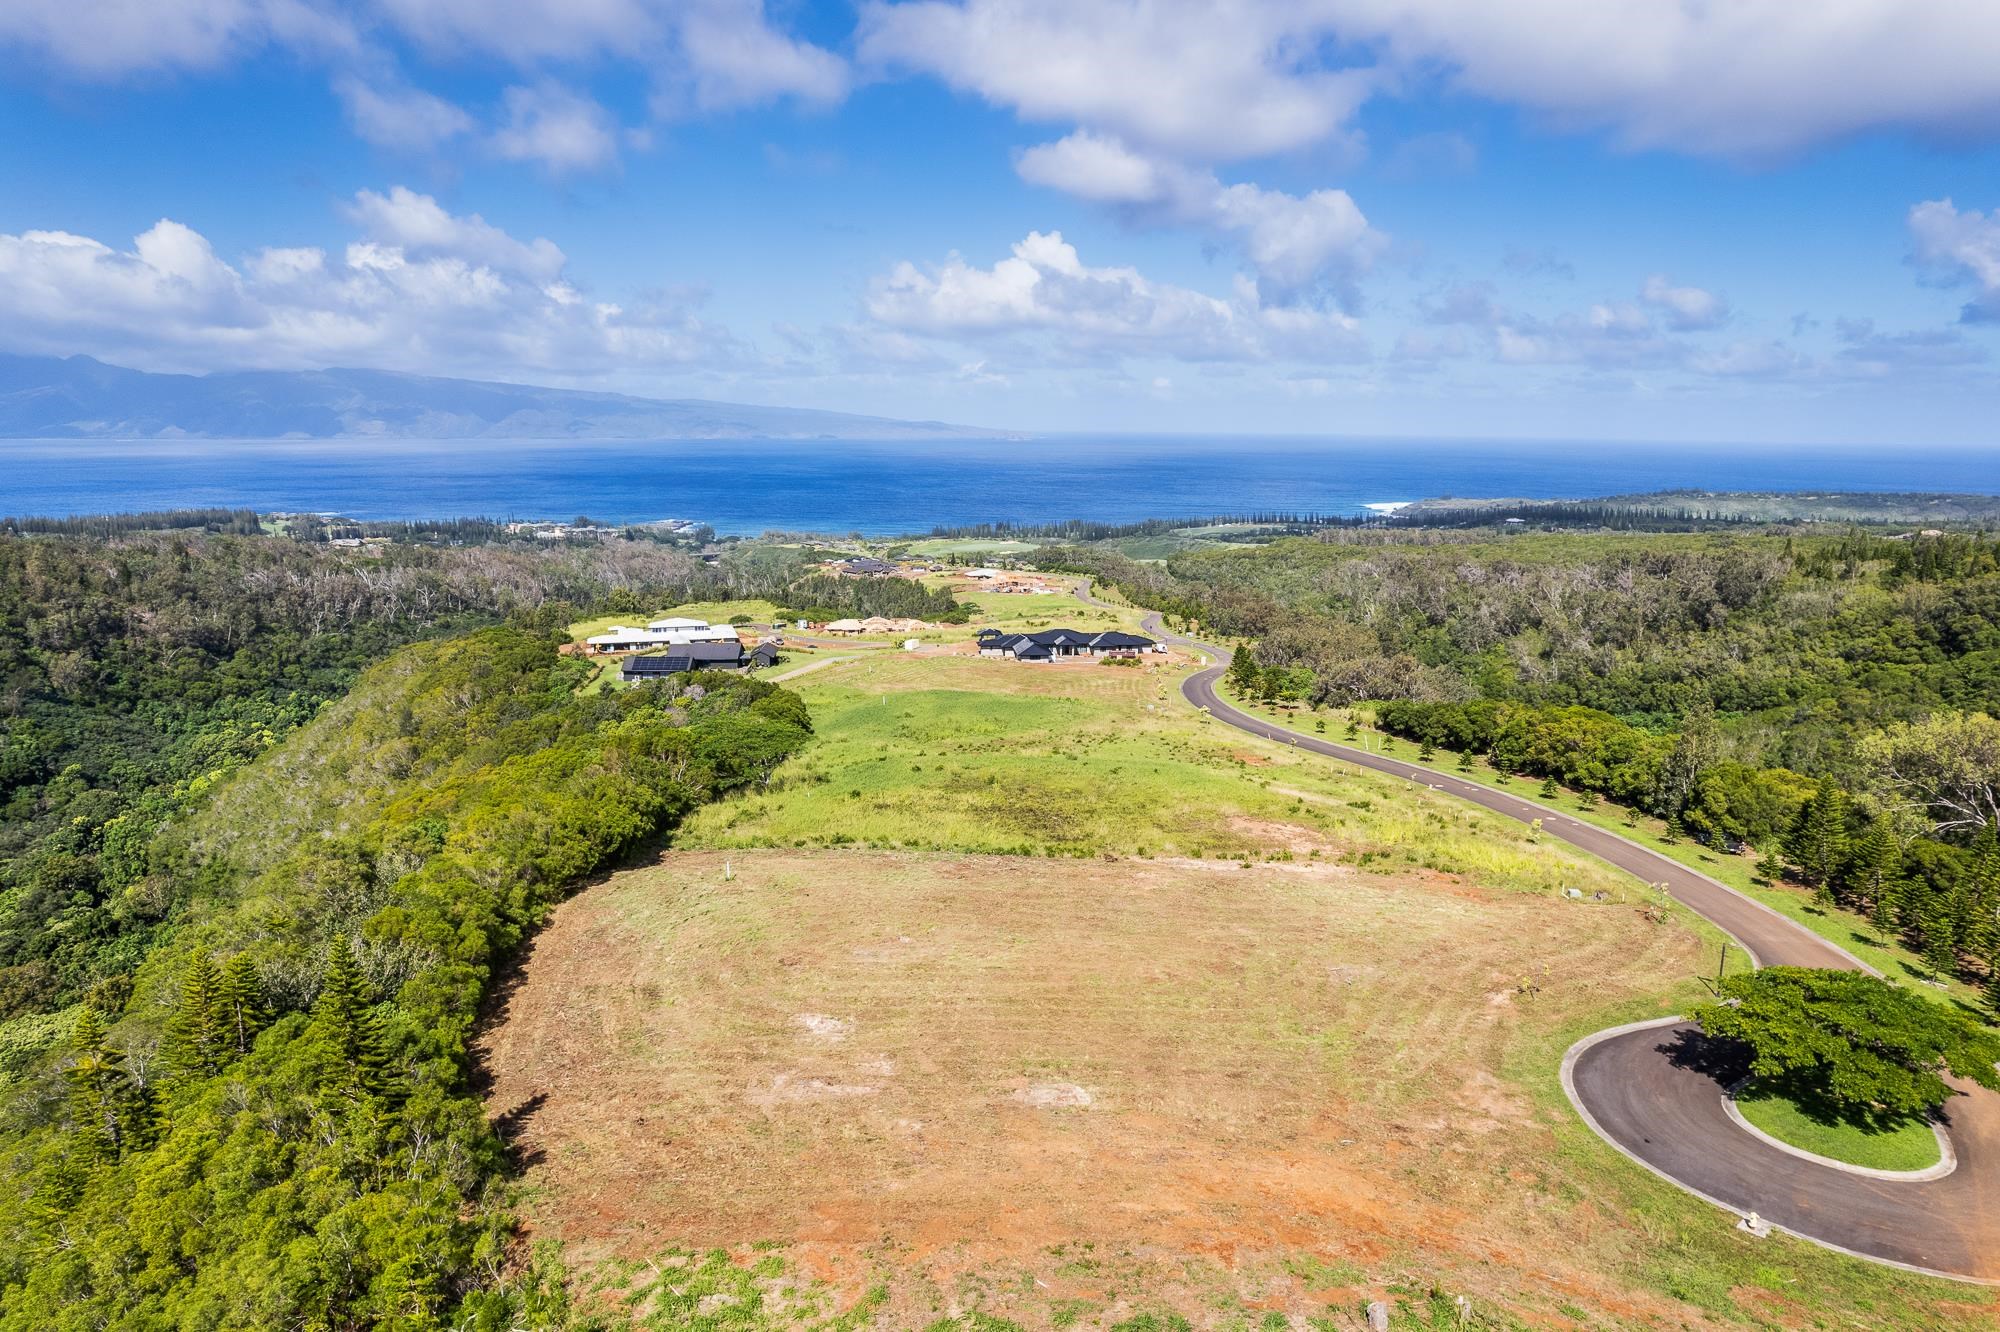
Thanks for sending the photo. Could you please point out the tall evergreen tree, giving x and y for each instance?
(1877, 861)
(196, 1043)
(103, 1100)
(241, 1000)
(1243, 670)
(1940, 942)
(1817, 844)
(346, 1031)
(1882, 911)
(1982, 928)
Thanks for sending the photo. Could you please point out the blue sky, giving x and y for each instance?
(1621, 219)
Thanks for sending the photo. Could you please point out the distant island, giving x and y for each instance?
(79, 397)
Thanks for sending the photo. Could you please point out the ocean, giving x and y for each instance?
(835, 486)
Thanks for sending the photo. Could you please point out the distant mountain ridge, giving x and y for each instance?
(79, 397)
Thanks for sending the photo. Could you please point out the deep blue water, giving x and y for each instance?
(829, 486)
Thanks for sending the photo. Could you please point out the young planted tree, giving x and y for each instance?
(1243, 671)
(1549, 789)
(1851, 1040)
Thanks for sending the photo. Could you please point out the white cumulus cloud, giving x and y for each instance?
(108, 38)
(1686, 309)
(560, 129)
(1294, 242)
(1218, 79)
(1045, 290)
(420, 225)
(392, 116)
(417, 289)
(1206, 80)
(1960, 248)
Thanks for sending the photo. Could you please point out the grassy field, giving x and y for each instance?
(1902, 1143)
(965, 546)
(715, 612)
(1846, 928)
(1014, 612)
(974, 754)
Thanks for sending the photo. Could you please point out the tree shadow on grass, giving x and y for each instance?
(1812, 1103)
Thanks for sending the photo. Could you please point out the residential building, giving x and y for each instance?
(683, 658)
(1050, 644)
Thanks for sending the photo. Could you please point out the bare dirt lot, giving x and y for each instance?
(1033, 1085)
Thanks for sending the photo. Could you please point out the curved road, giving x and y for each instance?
(1651, 1091)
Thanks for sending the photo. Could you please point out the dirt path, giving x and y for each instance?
(1652, 1094)
(807, 669)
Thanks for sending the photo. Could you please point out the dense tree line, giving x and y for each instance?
(136, 672)
(475, 531)
(242, 522)
(1824, 699)
(1079, 529)
(268, 1123)
(1590, 515)
(826, 597)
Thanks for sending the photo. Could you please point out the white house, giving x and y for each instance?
(682, 631)
(621, 639)
(671, 632)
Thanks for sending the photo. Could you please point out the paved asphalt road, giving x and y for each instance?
(1647, 1092)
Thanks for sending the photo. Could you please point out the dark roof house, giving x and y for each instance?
(683, 658)
(1050, 643)
(865, 566)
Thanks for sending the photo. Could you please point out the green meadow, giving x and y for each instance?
(972, 754)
